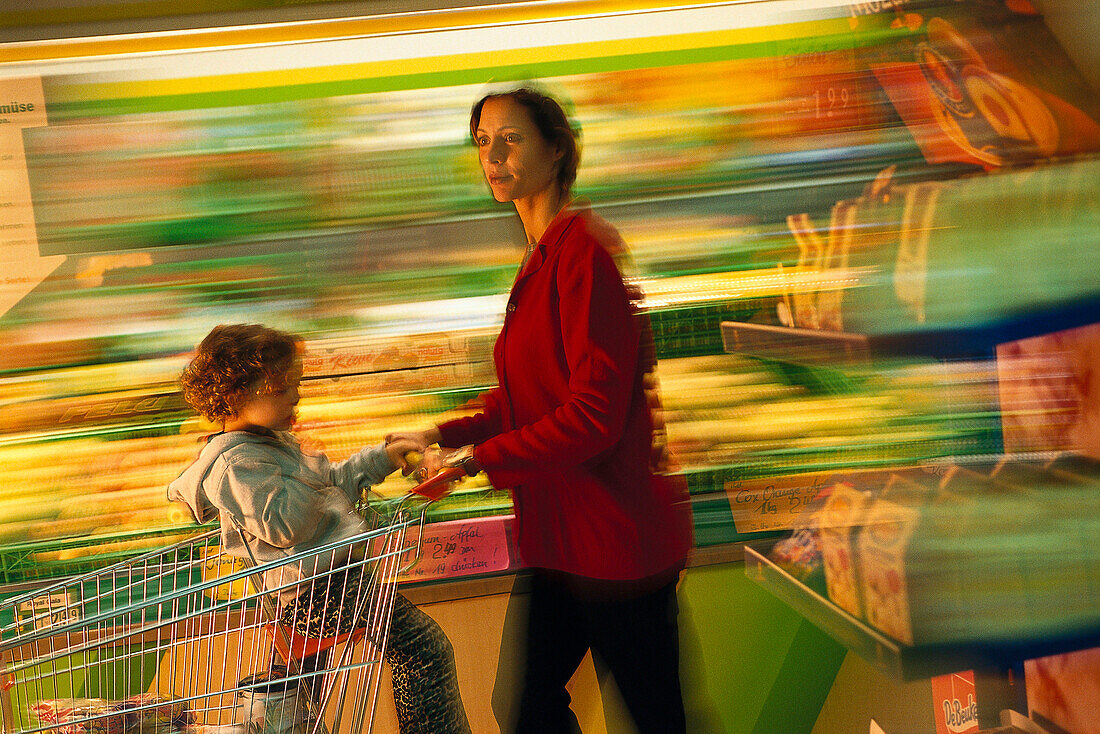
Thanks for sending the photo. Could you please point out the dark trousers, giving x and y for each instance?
(633, 634)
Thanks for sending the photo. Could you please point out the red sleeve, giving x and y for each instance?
(476, 428)
(600, 345)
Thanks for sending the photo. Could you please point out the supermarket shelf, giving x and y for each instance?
(694, 330)
(904, 662)
(791, 344)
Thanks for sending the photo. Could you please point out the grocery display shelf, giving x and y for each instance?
(694, 331)
(905, 662)
(792, 344)
(38, 560)
(32, 563)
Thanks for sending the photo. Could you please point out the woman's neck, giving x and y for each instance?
(538, 211)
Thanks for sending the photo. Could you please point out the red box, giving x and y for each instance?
(956, 703)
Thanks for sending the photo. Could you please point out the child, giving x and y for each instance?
(255, 476)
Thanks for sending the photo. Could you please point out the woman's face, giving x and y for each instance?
(518, 162)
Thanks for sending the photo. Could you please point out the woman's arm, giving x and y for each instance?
(600, 344)
(476, 428)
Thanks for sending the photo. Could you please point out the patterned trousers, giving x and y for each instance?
(421, 659)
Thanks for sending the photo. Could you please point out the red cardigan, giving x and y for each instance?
(567, 429)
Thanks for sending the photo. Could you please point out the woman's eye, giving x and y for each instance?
(511, 138)
(483, 141)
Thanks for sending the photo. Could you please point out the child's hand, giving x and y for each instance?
(409, 450)
(401, 452)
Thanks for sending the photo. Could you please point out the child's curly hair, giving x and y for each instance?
(235, 362)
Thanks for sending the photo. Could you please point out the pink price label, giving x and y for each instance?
(461, 548)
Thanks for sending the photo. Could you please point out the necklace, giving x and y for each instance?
(566, 201)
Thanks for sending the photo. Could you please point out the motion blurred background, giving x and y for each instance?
(867, 234)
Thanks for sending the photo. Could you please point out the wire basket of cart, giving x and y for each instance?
(190, 639)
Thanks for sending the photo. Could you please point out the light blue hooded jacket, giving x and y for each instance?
(285, 500)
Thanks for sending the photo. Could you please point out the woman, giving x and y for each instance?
(568, 430)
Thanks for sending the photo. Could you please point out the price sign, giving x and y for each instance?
(772, 504)
(22, 105)
(51, 610)
(461, 548)
(824, 85)
(953, 700)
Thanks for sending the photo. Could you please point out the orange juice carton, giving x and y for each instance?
(839, 525)
(912, 570)
(883, 548)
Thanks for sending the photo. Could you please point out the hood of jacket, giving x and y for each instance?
(188, 486)
(248, 531)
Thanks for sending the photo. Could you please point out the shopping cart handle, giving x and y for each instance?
(439, 486)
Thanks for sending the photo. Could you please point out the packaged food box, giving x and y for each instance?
(1076, 467)
(883, 547)
(978, 558)
(910, 490)
(149, 713)
(799, 554)
(1018, 476)
(839, 526)
(79, 715)
(1054, 515)
(893, 516)
(989, 539)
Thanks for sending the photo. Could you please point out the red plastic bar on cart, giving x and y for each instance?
(293, 646)
(439, 486)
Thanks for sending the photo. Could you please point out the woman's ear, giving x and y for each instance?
(559, 159)
(559, 147)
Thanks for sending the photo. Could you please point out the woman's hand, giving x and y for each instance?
(422, 439)
(401, 452)
(430, 463)
(410, 451)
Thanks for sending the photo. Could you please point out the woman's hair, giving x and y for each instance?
(552, 123)
(235, 362)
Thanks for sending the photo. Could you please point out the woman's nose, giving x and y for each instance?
(496, 151)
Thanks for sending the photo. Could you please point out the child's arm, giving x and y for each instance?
(367, 467)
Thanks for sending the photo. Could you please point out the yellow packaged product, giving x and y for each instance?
(840, 525)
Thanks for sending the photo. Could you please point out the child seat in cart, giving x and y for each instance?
(187, 640)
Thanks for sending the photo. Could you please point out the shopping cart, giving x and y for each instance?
(188, 639)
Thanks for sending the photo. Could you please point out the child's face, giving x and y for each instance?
(274, 411)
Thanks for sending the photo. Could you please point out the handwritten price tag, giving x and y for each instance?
(461, 548)
(771, 504)
(52, 610)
